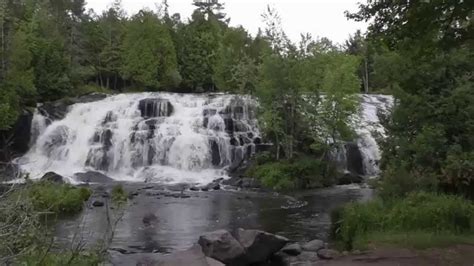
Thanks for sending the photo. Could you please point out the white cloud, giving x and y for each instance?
(324, 18)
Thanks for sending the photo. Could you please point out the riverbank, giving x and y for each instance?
(454, 255)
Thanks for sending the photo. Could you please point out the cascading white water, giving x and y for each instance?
(154, 137)
(369, 130)
(168, 138)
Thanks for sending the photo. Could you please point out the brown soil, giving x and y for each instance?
(459, 255)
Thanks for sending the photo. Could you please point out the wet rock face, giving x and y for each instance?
(57, 110)
(93, 177)
(18, 137)
(155, 107)
(354, 159)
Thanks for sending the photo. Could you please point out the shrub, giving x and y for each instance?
(397, 182)
(57, 198)
(418, 212)
(303, 172)
(39, 258)
(119, 195)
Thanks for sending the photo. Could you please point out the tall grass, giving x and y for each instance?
(419, 212)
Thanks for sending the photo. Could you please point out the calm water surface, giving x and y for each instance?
(299, 216)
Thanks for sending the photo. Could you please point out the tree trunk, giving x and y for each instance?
(2, 74)
(366, 76)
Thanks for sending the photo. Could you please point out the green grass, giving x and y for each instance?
(415, 240)
(417, 220)
(57, 198)
(59, 259)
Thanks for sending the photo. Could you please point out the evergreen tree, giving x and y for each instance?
(150, 61)
(198, 52)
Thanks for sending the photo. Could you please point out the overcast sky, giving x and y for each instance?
(323, 18)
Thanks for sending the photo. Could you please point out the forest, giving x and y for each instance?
(421, 52)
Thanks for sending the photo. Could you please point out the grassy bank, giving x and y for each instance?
(60, 199)
(420, 220)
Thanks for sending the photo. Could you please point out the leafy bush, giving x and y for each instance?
(57, 198)
(418, 212)
(119, 195)
(302, 172)
(397, 182)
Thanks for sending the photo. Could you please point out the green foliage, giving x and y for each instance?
(416, 240)
(399, 182)
(235, 70)
(418, 212)
(427, 63)
(21, 74)
(57, 198)
(48, 258)
(340, 84)
(8, 107)
(299, 173)
(198, 45)
(20, 226)
(151, 62)
(119, 196)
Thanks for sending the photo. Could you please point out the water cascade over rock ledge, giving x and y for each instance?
(153, 137)
(170, 138)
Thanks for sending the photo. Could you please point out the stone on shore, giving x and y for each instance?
(222, 246)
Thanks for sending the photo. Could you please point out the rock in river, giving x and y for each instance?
(313, 245)
(53, 177)
(222, 246)
(292, 249)
(259, 245)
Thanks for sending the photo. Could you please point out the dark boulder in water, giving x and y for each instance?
(93, 177)
(155, 107)
(53, 177)
(349, 178)
(259, 245)
(222, 246)
(98, 203)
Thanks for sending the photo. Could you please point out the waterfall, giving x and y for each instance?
(370, 130)
(153, 137)
(171, 138)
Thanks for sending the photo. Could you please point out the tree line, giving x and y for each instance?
(54, 49)
(427, 64)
